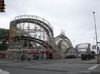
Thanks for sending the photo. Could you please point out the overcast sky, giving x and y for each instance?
(75, 17)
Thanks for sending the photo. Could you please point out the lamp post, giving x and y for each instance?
(95, 32)
(98, 53)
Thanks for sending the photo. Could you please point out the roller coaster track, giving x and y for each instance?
(33, 40)
(67, 47)
(78, 47)
(42, 23)
(36, 21)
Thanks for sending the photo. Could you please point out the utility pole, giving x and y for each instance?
(95, 32)
(98, 53)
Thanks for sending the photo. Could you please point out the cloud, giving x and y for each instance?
(74, 16)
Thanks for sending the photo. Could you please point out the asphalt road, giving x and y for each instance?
(53, 69)
(50, 67)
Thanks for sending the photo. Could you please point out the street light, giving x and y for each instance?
(95, 32)
(98, 53)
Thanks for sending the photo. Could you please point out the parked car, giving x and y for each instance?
(87, 56)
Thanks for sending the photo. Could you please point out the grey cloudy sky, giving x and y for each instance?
(75, 17)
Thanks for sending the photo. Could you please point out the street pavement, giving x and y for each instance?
(65, 66)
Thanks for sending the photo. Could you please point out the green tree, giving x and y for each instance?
(4, 38)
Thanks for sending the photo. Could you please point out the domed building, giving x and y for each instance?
(64, 47)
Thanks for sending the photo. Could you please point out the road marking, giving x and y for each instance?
(93, 67)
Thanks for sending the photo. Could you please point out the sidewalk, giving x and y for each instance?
(26, 63)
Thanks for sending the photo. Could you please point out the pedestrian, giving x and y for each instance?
(29, 57)
(22, 57)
